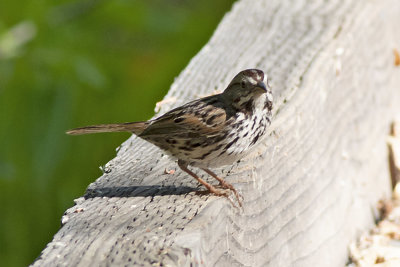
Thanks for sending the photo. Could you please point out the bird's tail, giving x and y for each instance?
(134, 127)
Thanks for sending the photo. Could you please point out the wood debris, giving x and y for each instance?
(381, 246)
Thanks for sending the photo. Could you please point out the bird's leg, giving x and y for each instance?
(225, 184)
(220, 180)
(209, 187)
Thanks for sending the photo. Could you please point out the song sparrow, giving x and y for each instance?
(209, 132)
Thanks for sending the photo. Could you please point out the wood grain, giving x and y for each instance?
(308, 189)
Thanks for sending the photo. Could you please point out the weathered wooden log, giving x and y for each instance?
(310, 186)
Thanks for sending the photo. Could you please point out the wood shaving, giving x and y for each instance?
(396, 57)
(172, 171)
(159, 104)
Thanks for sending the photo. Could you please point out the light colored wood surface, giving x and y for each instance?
(308, 189)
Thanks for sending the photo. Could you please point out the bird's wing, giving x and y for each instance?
(198, 118)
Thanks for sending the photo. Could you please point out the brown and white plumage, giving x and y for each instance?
(209, 132)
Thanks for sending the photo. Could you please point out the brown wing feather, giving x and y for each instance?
(207, 121)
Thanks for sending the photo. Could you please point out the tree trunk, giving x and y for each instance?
(309, 188)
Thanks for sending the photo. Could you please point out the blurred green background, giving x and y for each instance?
(65, 64)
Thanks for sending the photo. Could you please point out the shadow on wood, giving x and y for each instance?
(139, 191)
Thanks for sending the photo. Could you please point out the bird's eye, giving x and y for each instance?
(243, 84)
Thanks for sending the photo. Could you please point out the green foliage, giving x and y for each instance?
(65, 64)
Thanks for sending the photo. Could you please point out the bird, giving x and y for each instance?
(208, 132)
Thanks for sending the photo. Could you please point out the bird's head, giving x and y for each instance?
(248, 85)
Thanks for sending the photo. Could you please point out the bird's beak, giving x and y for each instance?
(262, 86)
